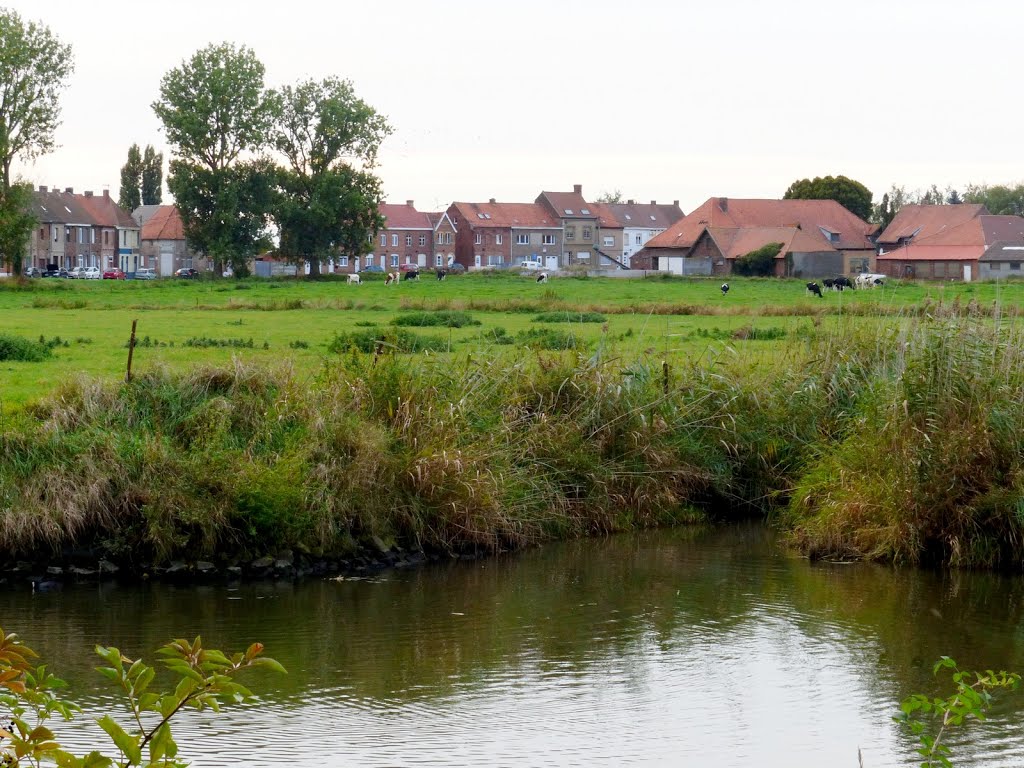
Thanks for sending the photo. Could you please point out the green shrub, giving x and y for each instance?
(759, 263)
(23, 350)
(387, 340)
(445, 318)
(550, 339)
(570, 317)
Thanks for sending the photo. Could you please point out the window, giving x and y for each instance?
(383, 239)
(394, 259)
(67, 234)
(495, 260)
(369, 259)
(498, 240)
(92, 236)
(438, 260)
(939, 269)
(369, 237)
(394, 241)
(583, 255)
(523, 239)
(343, 261)
(42, 233)
(478, 239)
(548, 239)
(995, 266)
(1015, 265)
(638, 240)
(609, 242)
(423, 240)
(106, 237)
(587, 232)
(570, 233)
(408, 241)
(56, 234)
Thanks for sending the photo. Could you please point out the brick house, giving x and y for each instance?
(641, 222)
(78, 229)
(405, 239)
(164, 247)
(494, 234)
(445, 234)
(110, 217)
(823, 238)
(936, 244)
(579, 222)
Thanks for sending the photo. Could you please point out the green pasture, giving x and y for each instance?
(294, 321)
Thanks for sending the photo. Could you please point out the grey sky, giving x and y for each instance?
(661, 100)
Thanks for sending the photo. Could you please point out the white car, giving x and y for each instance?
(77, 273)
(91, 273)
(145, 273)
(530, 265)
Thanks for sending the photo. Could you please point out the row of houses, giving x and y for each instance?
(819, 238)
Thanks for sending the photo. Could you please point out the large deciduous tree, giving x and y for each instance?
(999, 199)
(329, 197)
(131, 179)
(216, 113)
(152, 180)
(850, 194)
(34, 69)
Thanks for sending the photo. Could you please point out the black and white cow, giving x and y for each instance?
(725, 288)
(815, 289)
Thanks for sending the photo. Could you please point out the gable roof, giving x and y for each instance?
(403, 217)
(106, 212)
(808, 215)
(646, 215)
(164, 224)
(967, 241)
(568, 205)
(505, 216)
(60, 208)
(921, 221)
(735, 242)
(1004, 251)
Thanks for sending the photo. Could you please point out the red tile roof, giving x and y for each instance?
(568, 205)
(920, 221)
(506, 215)
(106, 212)
(737, 242)
(966, 241)
(808, 215)
(164, 224)
(404, 217)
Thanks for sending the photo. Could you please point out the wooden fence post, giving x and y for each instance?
(131, 351)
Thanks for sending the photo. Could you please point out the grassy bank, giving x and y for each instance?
(887, 432)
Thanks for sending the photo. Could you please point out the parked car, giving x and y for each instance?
(33, 272)
(145, 273)
(530, 265)
(114, 273)
(456, 268)
(187, 272)
(52, 270)
(91, 273)
(373, 268)
(76, 273)
(411, 268)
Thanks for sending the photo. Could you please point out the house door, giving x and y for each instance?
(967, 273)
(552, 263)
(166, 263)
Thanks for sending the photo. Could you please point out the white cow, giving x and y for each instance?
(869, 280)
(354, 279)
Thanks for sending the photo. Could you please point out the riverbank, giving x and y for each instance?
(900, 447)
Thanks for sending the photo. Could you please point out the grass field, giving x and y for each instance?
(295, 320)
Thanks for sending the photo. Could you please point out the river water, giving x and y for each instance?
(690, 647)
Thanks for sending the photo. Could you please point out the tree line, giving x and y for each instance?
(248, 162)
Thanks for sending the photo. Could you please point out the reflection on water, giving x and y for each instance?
(685, 647)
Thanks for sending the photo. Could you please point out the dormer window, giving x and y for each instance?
(568, 211)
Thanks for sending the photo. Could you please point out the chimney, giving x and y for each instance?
(106, 193)
(675, 203)
(631, 202)
(654, 202)
(88, 193)
(723, 203)
(577, 188)
(492, 201)
(69, 190)
(43, 189)
(409, 203)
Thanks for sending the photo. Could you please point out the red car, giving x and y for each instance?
(114, 273)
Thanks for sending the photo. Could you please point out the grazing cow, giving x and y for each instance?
(354, 279)
(412, 274)
(391, 278)
(542, 277)
(815, 289)
(829, 284)
(441, 274)
(867, 280)
(842, 282)
(725, 288)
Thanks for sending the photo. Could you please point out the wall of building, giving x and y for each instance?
(927, 270)
(999, 270)
(414, 246)
(812, 264)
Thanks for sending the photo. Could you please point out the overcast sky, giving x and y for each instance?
(661, 99)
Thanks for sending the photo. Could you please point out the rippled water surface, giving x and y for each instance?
(676, 648)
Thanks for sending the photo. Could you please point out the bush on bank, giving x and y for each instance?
(905, 448)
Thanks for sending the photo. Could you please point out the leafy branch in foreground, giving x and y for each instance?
(973, 698)
(205, 680)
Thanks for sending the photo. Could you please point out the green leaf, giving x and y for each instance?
(269, 664)
(129, 745)
(143, 681)
(158, 744)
